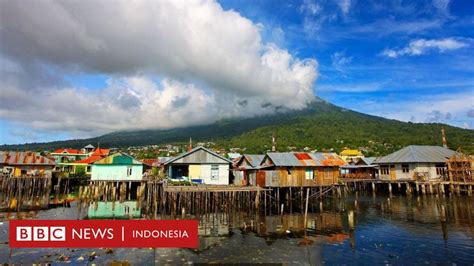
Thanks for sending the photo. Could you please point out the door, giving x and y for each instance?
(393, 175)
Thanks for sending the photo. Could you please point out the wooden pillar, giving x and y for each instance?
(350, 219)
(442, 214)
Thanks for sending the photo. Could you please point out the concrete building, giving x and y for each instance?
(415, 162)
(200, 165)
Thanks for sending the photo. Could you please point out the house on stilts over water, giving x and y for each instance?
(299, 169)
(415, 163)
(199, 165)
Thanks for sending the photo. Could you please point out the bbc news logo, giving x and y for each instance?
(41, 233)
(103, 233)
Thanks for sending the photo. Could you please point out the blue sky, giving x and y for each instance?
(406, 60)
(349, 47)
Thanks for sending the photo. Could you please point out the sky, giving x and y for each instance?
(78, 69)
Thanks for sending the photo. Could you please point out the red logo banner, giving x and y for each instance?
(103, 233)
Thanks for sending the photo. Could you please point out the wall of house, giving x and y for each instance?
(297, 177)
(40, 170)
(203, 172)
(223, 178)
(116, 172)
(425, 169)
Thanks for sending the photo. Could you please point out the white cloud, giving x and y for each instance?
(210, 61)
(339, 60)
(450, 108)
(421, 46)
(345, 5)
(309, 6)
(442, 6)
(389, 26)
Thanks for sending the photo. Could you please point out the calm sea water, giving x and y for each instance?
(402, 230)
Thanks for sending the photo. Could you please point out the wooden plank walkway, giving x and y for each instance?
(433, 182)
(213, 188)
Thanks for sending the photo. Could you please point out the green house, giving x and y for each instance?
(117, 167)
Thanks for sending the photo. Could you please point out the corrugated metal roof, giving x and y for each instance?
(418, 154)
(254, 159)
(284, 159)
(163, 160)
(24, 158)
(301, 159)
(368, 160)
(194, 150)
(328, 159)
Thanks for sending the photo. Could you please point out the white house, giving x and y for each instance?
(201, 166)
(415, 162)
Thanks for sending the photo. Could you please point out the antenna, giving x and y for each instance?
(443, 133)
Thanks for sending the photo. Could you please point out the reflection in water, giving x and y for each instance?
(389, 230)
(113, 210)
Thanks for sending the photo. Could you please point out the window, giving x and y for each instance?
(440, 169)
(214, 172)
(328, 173)
(288, 170)
(405, 168)
(384, 170)
(129, 171)
(88, 169)
(309, 174)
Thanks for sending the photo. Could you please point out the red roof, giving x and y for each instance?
(68, 151)
(303, 156)
(151, 162)
(101, 152)
(24, 158)
(89, 160)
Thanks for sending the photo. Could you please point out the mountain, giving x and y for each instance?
(321, 126)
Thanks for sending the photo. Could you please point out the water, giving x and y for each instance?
(402, 230)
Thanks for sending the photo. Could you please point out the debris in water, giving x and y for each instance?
(120, 263)
(92, 256)
(81, 258)
(109, 251)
